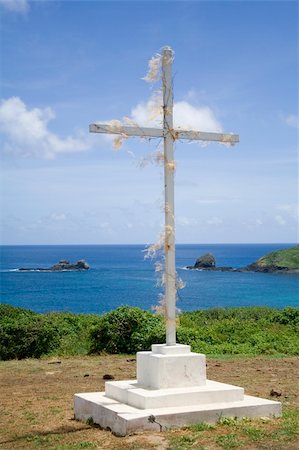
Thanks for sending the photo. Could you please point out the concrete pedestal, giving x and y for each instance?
(171, 390)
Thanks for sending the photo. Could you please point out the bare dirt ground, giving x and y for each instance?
(36, 405)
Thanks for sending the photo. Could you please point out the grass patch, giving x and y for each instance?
(288, 257)
(75, 446)
(228, 441)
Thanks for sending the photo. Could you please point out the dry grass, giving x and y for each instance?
(36, 406)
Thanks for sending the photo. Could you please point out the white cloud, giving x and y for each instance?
(19, 6)
(26, 131)
(280, 220)
(185, 115)
(292, 120)
(148, 113)
(190, 117)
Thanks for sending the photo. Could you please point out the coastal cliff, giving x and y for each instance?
(285, 260)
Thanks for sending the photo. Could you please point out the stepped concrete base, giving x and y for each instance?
(171, 390)
(131, 393)
(123, 419)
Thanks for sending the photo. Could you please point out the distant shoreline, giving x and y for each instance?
(145, 245)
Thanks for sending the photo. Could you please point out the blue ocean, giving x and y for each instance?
(119, 275)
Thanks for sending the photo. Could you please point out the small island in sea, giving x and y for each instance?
(278, 261)
(62, 266)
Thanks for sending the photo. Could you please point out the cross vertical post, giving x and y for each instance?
(170, 271)
(169, 135)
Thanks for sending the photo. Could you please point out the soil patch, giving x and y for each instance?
(36, 405)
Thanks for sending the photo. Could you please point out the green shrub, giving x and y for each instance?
(8, 311)
(27, 337)
(127, 330)
(74, 332)
(25, 334)
(246, 331)
(287, 316)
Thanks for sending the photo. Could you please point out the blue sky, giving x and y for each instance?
(70, 63)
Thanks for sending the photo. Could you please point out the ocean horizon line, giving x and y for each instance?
(146, 244)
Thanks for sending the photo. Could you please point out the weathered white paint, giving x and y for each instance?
(125, 130)
(160, 132)
(170, 366)
(208, 137)
(170, 272)
(170, 135)
(130, 393)
(124, 419)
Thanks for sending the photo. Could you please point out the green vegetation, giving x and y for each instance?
(243, 331)
(127, 330)
(286, 258)
(25, 334)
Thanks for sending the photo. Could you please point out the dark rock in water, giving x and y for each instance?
(61, 266)
(205, 261)
(66, 265)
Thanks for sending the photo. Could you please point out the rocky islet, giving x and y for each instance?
(279, 261)
(62, 266)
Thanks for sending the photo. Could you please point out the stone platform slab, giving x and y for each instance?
(131, 393)
(123, 419)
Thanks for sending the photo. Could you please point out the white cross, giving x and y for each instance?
(169, 135)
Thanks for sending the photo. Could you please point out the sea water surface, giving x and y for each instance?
(119, 275)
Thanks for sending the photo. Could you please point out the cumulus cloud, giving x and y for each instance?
(185, 115)
(190, 117)
(292, 120)
(19, 6)
(26, 131)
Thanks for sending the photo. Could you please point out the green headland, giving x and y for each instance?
(285, 259)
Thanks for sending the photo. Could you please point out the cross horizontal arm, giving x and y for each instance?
(204, 136)
(126, 130)
(160, 132)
